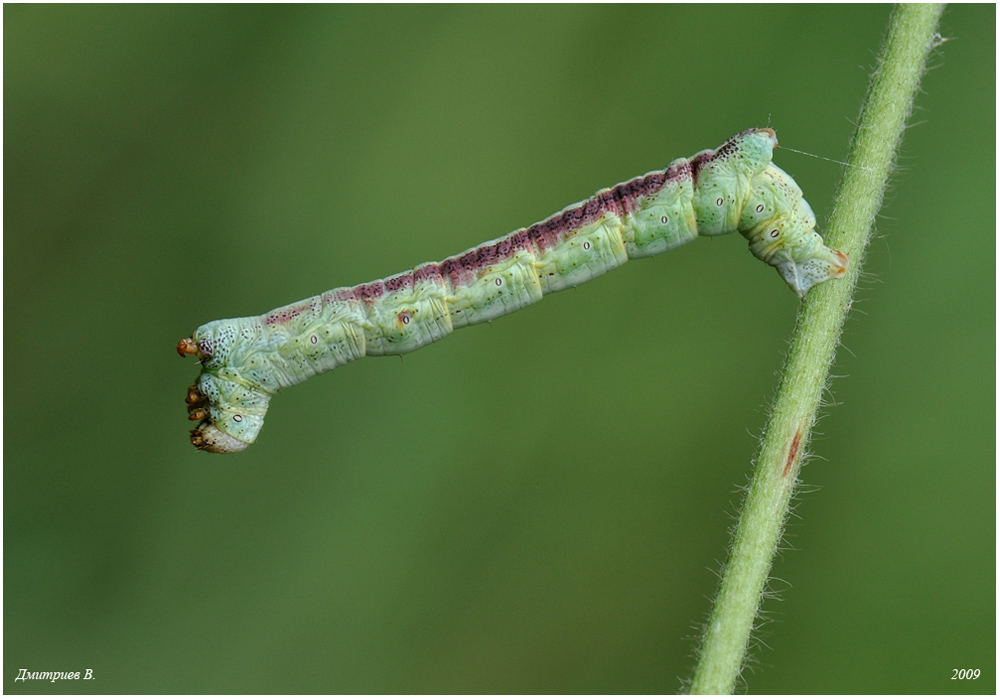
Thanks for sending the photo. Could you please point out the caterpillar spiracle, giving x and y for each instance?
(735, 187)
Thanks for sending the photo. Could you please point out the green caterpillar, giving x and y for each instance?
(736, 187)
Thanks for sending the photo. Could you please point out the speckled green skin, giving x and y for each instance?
(733, 188)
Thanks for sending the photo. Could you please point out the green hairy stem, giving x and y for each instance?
(911, 35)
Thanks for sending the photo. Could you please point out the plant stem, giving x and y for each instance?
(911, 35)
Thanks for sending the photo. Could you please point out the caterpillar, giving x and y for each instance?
(735, 187)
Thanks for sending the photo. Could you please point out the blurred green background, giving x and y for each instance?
(536, 505)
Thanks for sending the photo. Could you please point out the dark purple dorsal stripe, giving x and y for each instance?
(428, 271)
(403, 280)
(284, 315)
(370, 291)
(459, 270)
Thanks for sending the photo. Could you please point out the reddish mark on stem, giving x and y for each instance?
(792, 452)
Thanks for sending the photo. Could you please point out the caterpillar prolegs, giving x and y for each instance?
(736, 187)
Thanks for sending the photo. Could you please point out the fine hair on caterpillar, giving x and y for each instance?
(829, 160)
(734, 188)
